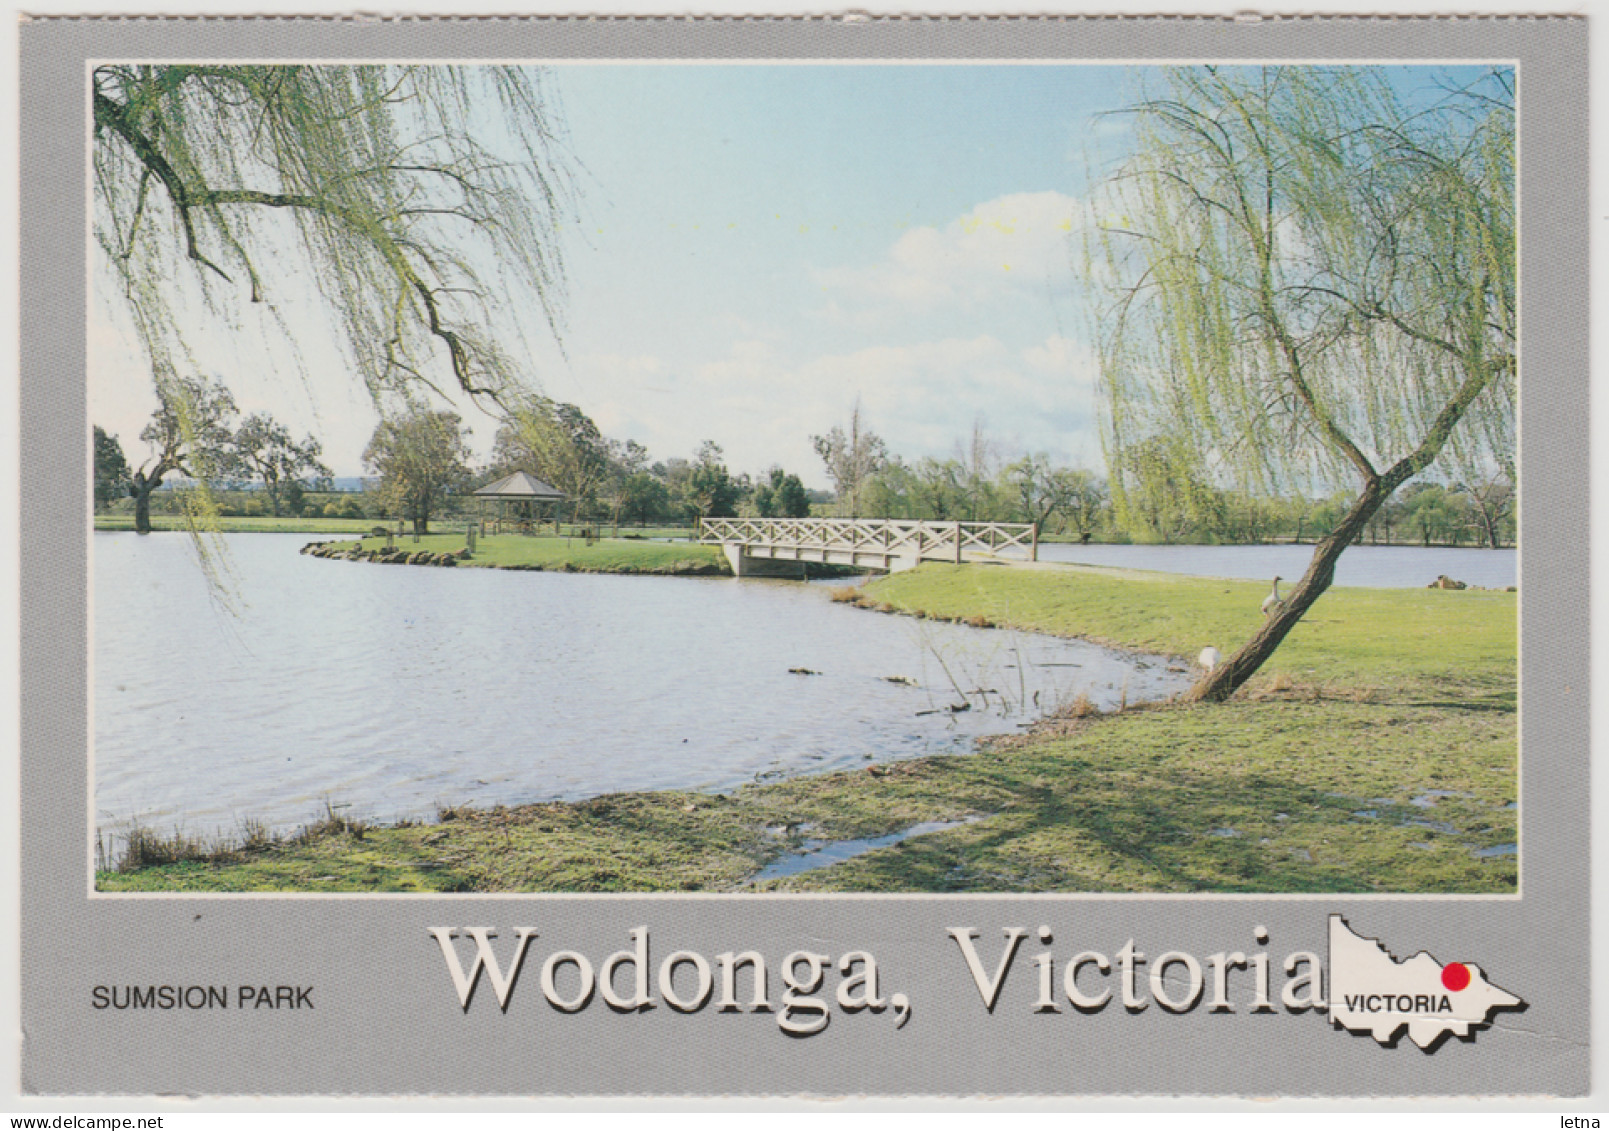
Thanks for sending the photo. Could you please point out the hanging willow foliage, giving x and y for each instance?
(421, 200)
(421, 204)
(1307, 284)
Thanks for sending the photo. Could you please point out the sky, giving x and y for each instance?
(760, 247)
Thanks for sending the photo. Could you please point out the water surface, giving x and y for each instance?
(1375, 567)
(394, 689)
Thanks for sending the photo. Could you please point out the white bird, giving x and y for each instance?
(1273, 600)
(1210, 657)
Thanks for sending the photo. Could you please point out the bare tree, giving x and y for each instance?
(852, 458)
(1493, 500)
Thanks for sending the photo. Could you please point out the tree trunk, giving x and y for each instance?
(142, 511)
(141, 489)
(1225, 679)
(1489, 521)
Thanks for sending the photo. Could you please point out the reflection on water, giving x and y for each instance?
(393, 689)
(1373, 567)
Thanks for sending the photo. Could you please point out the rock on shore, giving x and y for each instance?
(347, 552)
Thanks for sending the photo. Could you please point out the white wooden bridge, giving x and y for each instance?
(868, 543)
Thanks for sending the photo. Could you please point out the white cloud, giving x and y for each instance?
(1059, 356)
(923, 398)
(1001, 248)
(762, 406)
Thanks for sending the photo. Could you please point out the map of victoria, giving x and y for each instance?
(1372, 992)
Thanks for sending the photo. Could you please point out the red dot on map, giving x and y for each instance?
(1455, 976)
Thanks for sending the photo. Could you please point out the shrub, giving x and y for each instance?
(147, 848)
(256, 836)
(332, 824)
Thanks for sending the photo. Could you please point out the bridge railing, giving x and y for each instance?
(923, 539)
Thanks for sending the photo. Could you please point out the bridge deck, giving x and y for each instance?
(888, 544)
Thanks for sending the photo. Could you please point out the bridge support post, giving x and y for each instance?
(734, 555)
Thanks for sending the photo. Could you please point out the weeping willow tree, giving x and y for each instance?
(421, 205)
(1309, 284)
(561, 443)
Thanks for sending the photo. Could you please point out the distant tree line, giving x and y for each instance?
(1164, 500)
(423, 468)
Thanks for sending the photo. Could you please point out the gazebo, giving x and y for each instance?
(523, 487)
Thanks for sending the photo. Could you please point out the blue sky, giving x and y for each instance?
(767, 244)
(759, 246)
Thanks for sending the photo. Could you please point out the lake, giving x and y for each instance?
(391, 690)
(1373, 567)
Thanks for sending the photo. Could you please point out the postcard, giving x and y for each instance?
(827, 557)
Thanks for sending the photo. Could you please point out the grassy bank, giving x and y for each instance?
(547, 552)
(1352, 638)
(1377, 753)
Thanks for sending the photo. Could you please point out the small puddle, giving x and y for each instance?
(1433, 826)
(1496, 850)
(824, 853)
(1428, 799)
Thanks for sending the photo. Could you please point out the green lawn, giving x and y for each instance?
(1321, 776)
(1350, 637)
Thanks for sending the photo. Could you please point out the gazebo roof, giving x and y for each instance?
(520, 485)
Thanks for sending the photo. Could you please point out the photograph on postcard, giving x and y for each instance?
(759, 478)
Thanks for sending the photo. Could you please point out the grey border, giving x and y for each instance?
(391, 1024)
